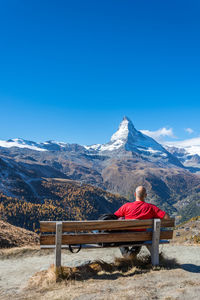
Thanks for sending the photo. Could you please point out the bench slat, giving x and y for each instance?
(104, 237)
(92, 246)
(69, 226)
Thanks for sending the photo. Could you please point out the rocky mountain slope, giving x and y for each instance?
(188, 158)
(129, 159)
(188, 232)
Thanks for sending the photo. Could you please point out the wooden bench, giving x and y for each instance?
(95, 234)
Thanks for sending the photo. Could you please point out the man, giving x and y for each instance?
(139, 209)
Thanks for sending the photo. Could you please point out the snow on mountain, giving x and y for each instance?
(131, 139)
(20, 143)
(187, 151)
(125, 139)
(123, 131)
(191, 146)
(53, 145)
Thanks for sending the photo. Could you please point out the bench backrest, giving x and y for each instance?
(81, 232)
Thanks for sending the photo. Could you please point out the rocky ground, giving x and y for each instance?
(23, 276)
(26, 272)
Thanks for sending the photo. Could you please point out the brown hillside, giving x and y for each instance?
(12, 236)
(62, 200)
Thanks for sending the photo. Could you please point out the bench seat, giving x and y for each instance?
(105, 233)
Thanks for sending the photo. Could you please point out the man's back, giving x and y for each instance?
(139, 210)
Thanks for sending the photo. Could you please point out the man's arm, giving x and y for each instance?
(158, 213)
(120, 212)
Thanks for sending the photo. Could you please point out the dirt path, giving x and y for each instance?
(181, 283)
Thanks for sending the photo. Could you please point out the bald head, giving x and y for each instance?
(140, 193)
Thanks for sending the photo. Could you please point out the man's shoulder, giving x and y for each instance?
(150, 205)
(154, 207)
(128, 204)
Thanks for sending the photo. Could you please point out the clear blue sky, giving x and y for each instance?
(70, 70)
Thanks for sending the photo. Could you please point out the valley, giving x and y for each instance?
(58, 177)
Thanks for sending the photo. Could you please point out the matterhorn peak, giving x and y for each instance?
(126, 128)
(130, 139)
(125, 118)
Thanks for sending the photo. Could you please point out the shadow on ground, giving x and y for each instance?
(99, 270)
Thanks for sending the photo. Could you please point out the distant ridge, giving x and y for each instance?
(128, 139)
(129, 159)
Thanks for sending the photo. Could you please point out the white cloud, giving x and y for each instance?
(192, 145)
(189, 130)
(160, 133)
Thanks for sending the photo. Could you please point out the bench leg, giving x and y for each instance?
(155, 243)
(58, 245)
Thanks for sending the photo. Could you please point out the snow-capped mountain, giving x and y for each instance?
(129, 159)
(130, 139)
(191, 146)
(127, 138)
(187, 151)
(21, 143)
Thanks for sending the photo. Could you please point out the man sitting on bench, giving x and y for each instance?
(141, 210)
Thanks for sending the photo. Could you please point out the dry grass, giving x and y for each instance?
(121, 267)
(13, 236)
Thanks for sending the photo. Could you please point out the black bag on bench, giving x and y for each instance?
(107, 217)
(125, 251)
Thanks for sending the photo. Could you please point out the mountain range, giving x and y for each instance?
(129, 159)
